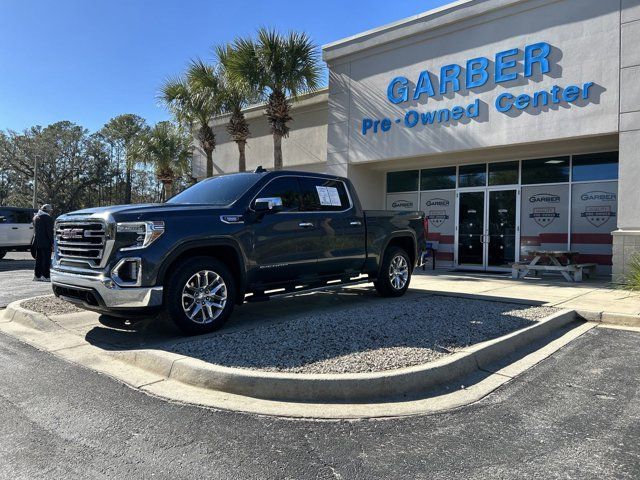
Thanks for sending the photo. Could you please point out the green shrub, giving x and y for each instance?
(632, 277)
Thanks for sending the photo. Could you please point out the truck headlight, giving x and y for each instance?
(142, 234)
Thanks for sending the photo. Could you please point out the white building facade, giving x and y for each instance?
(513, 124)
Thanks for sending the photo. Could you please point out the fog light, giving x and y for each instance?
(127, 272)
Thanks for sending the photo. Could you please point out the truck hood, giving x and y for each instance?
(138, 211)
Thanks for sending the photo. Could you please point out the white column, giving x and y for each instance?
(626, 240)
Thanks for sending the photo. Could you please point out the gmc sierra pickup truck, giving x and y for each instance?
(230, 239)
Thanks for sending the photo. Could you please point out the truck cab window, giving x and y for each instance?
(8, 216)
(287, 189)
(320, 194)
(24, 217)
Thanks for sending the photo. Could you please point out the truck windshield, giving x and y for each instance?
(217, 191)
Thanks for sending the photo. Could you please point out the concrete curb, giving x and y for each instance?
(333, 388)
(408, 391)
(330, 388)
(610, 318)
(28, 318)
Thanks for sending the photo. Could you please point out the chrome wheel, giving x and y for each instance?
(398, 272)
(204, 297)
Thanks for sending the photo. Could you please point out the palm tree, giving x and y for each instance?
(279, 66)
(194, 106)
(168, 149)
(237, 96)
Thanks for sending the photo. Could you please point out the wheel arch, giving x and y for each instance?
(224, 250)
(404, 239)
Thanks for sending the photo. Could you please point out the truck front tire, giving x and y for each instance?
(395, 273)
(200, 295)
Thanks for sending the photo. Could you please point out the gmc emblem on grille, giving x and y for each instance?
(71, 234)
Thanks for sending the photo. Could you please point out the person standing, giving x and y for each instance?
(43, 243)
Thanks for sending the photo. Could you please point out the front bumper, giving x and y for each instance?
(100, 293)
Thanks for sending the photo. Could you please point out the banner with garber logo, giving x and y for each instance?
(439, 209)
(593, 218)
(402, 201)
(544, 218)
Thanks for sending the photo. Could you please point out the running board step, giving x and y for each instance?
(304, 289)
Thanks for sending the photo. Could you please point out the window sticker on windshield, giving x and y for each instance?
(334, 196)
(323, 193)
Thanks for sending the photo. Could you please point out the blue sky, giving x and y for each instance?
(89, 60)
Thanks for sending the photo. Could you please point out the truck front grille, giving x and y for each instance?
(81, 242)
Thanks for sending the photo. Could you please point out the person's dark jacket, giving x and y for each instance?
(43, 227)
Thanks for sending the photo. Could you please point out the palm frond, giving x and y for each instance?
(273, 62)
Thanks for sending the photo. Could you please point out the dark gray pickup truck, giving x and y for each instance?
(230, 239)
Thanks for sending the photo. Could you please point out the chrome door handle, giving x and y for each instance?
(356, 223)
(305, 224)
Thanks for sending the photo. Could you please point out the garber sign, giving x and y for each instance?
(508, 66)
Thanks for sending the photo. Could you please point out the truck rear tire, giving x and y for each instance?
(200, 295)
(395, 273)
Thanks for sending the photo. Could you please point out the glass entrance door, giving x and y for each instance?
(471, 229)
(501, 234)
(487, 228)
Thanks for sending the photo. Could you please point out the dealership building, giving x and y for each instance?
(513, 124)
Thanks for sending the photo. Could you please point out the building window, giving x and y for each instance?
(545, 170)
(438, 178)
(406, 181)
(472, 175)
(544, 218)
(594, 211)
(595, 166)
(503, 173)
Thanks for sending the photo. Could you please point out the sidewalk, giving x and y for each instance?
(595, 296)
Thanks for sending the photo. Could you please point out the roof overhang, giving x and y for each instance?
(438, 17)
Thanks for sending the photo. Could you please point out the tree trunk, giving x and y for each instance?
(277, 113)
(209, 163)
(166, 190)
(277, 151)
(242, 160)
(127, 187)
(207, 139)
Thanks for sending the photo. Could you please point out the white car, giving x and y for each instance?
(16, 229)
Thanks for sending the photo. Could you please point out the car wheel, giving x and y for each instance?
(395, 273)
(200, 296)
(2, 253)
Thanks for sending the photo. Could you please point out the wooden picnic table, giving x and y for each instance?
(571, 271)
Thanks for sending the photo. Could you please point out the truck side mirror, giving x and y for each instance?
(268, 205)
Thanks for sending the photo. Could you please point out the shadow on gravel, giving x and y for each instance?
(332, 332)
(122, 334)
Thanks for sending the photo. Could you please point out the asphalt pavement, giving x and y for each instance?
(16, 279)
(574, 415)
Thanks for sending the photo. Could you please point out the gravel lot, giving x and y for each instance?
(50, 305)
(382, 334)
